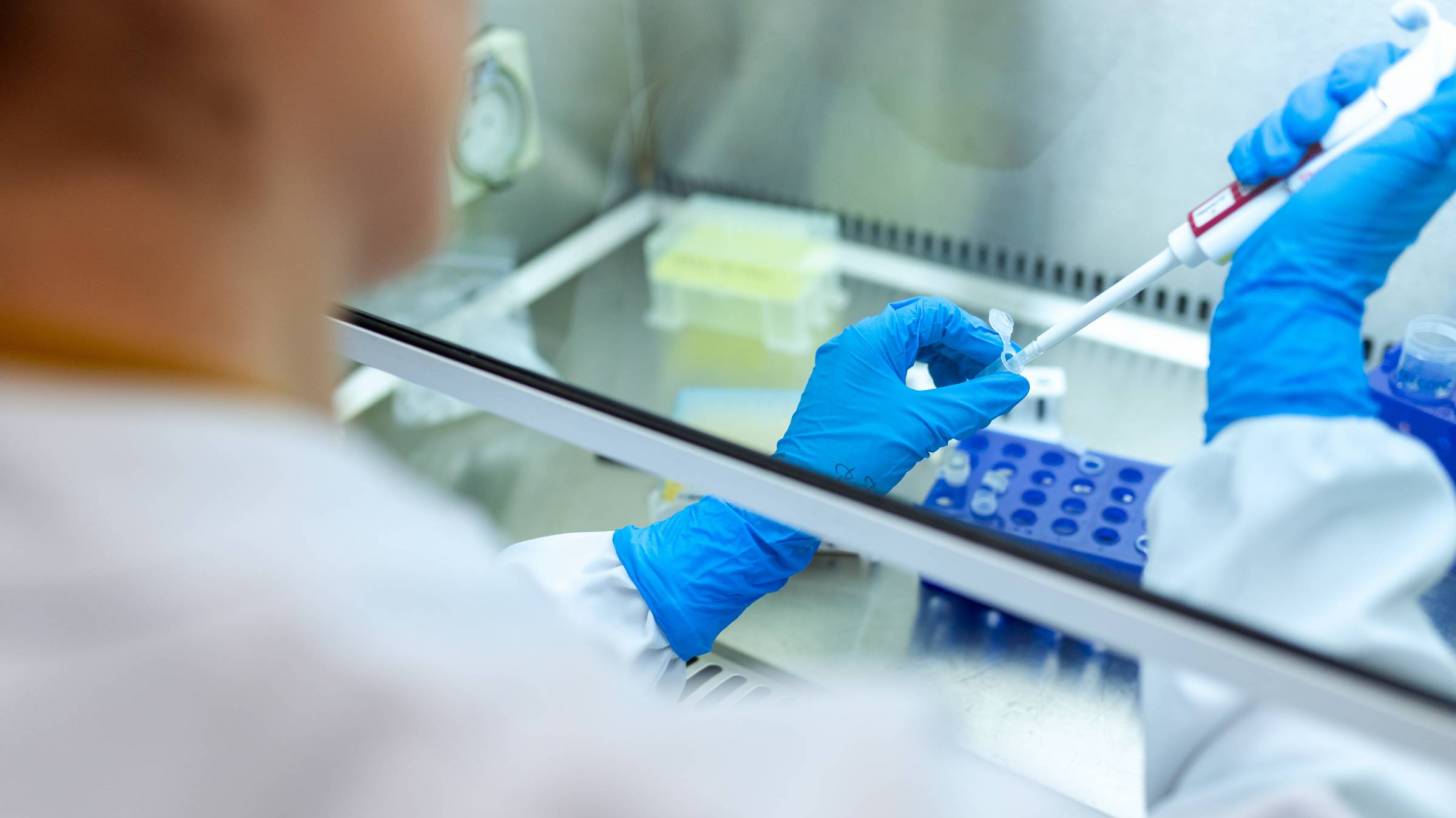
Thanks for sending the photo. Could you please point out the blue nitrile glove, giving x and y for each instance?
(702, 567)
(1286, 338)
(858, 421)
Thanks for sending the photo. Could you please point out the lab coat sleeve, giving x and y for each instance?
(1324, 533)
(582, 573)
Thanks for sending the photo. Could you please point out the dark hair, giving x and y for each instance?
(125, 80)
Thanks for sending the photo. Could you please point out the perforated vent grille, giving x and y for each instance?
(983, 258)
(717, 681)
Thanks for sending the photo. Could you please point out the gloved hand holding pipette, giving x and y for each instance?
(1304, 516)
(1286, 338)
(1326, 119)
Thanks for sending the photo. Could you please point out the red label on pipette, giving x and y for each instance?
(1225, 203)
(1231, 199)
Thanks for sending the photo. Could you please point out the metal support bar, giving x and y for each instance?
(1127, 620)
(542, 274)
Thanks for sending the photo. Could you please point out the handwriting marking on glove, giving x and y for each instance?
(846, 473)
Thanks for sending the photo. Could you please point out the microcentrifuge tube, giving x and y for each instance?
(984, 503)
(956, 470)
(1088, 462)
(1002, 322)
(997, 481)
(1426, 372)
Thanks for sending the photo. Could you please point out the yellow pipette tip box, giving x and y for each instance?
(746, 269)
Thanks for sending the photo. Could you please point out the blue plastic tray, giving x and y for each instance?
(947, 619)
(1095, 516)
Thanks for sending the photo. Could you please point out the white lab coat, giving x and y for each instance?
(215, 607)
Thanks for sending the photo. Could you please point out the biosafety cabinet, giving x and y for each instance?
(663, 207)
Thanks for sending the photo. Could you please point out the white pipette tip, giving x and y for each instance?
(1016, 363)
(1111, 298)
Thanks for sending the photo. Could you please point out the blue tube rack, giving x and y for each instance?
(1092, 512)
(1095, 516)
(946, 619)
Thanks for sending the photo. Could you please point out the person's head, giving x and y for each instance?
(347, 103)
(210, 175)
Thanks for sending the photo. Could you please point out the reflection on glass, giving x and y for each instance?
(710, 312)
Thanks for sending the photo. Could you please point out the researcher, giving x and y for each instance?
(211, 604)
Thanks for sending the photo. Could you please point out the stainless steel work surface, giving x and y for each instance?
(1050, 708)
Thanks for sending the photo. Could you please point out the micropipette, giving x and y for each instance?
(1217, 228)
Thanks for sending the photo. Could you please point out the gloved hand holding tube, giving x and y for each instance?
(1286, 339)
(857, 421)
